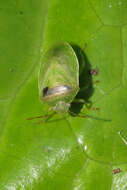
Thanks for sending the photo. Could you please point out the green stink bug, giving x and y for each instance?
(58, 79)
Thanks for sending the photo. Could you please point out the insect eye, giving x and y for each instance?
(45, 90)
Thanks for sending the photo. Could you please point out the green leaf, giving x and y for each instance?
(65, 152)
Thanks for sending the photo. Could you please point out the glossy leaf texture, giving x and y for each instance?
(66, 152)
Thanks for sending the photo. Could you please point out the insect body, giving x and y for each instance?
(59, 77)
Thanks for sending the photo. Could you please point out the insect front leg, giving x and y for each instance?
(47, 117)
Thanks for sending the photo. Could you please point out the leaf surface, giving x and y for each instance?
(65, 152)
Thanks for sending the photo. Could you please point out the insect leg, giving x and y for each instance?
(47, 117)
(40, 116)
(90, 116)
(79, 101)
(77, 115)
(87, 104)
(36, 117)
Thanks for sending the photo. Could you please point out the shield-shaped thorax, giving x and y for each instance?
(58, 75)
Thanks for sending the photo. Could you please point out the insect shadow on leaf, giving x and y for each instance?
(85, 82)
(85, 85)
